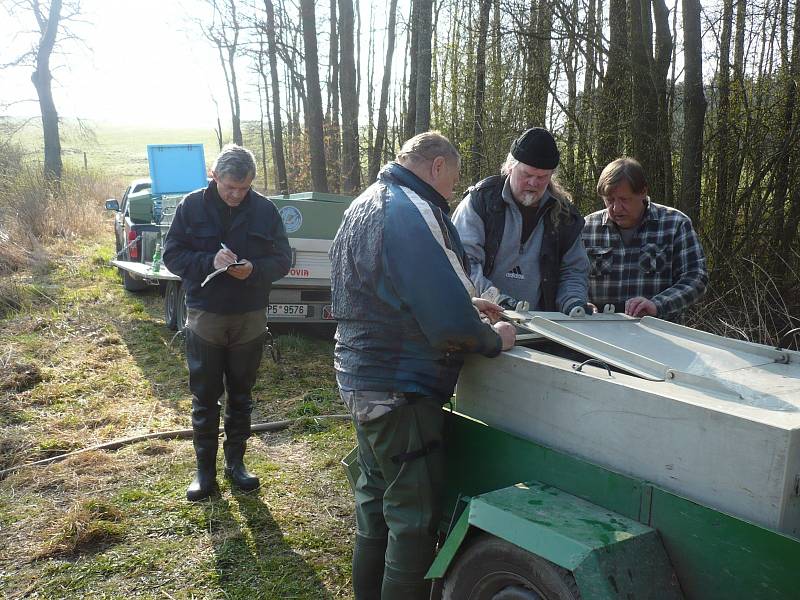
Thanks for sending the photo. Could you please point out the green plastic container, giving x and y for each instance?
(140, 207)
(311, 215)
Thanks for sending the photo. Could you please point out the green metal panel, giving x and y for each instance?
(312, 215)
(549, 522)
(450, 547)
(481, 459)
(318, 196)
(611, 556)
(720, 557)
(351, 468)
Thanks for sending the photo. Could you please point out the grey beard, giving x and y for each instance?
(528, 199)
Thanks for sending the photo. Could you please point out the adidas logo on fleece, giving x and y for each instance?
(515, 273)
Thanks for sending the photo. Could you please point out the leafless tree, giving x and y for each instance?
(52, 28)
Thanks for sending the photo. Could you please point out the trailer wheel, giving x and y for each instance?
(171, 305)
(180, 307)
(133, 284)
(493, 569)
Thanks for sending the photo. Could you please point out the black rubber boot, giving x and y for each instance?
(368, 561)
(241, 370)
(206, 366)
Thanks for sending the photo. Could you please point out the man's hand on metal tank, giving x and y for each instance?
(507, 333)
(640, 307)
(493, 312)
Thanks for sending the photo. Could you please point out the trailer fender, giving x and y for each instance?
(610, 556)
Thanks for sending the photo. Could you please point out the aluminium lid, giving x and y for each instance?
(658, 350)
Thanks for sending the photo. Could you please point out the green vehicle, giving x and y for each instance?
(608, 457)
(145, 212)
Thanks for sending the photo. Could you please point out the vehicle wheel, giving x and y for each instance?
(493, 569)
(180, 307)
(133, 284)
(171, 305)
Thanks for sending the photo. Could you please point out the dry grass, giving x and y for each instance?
(751, 306)
(88, 525)
(90, 363)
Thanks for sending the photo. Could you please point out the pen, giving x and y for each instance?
(224, 247)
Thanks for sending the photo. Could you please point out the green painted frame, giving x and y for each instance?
(715, 556)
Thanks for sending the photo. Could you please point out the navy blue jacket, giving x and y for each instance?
(256, 234)
(405, 320)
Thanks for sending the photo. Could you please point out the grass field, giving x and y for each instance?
(115, 150)
(84, 362)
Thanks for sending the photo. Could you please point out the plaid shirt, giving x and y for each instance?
(665, 262)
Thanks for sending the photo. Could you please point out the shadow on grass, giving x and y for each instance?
(253, 560)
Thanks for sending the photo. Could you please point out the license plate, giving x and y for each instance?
(287, 310)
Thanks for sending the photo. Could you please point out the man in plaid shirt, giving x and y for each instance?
(644, 257)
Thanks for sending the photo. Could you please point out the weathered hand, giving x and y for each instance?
(640, 307)
(507, 333)
(488, 309)
(223, 258)
(241, 271)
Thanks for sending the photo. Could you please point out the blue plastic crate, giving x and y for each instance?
(176, 168)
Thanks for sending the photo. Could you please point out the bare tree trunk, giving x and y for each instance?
(411, 114)
(543, 62)
(314, 115)
(478, 153)
(224, 34)
(694, 112)
(333, 91)
(380, 136)
(262, 134)
(644, 102)
(351, 169)
(42, 80)
(659, 70)
(277, 147)
(613, 109)
(722, 204)
(785, 229)
(424, 57)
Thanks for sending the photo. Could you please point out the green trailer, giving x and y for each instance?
(529, 520)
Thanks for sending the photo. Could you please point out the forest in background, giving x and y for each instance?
(704, 95)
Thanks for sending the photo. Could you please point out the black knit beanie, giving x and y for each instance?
(537, 148)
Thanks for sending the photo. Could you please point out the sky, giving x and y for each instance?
(143, 63)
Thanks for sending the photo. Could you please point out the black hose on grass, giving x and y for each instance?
(175, 434)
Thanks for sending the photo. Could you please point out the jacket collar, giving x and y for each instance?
(211, 197)
(397, 174)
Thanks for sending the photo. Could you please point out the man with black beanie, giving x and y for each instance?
(522, 234)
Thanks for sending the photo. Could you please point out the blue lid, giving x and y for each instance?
(176, 168)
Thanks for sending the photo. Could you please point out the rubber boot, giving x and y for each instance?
(206, 367)
(241, 370)
(369, 555)
(405, 586)
(408, 558)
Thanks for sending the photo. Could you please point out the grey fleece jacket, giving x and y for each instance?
(516, 268)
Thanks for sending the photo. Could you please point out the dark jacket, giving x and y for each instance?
(486, 199)
(256, 233)
(405, 318)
